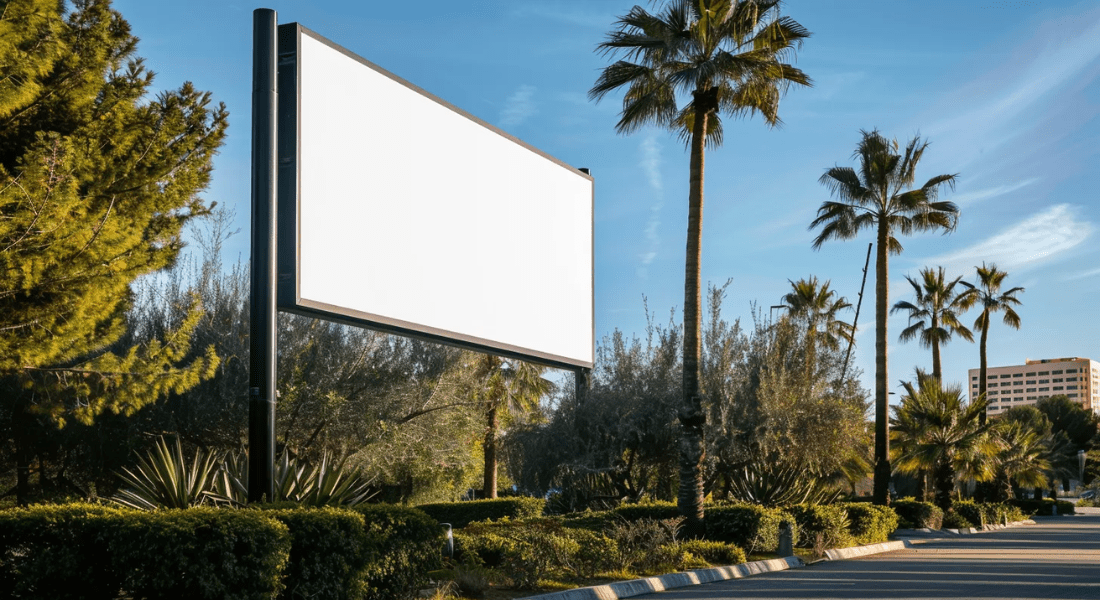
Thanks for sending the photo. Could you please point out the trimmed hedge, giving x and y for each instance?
(869, 523)
(749, 526)
(1042, 508)
(88, 551)
(917, 515)
(201, 552)
(658, 511)
(328, 554)
(58, 552)
(461, 514)
(822, 526)
(402, 545)
(715, 553)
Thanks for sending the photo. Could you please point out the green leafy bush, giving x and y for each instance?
(918, 515)
(954, 520)
(402, 545)
(822, 526)
(715, 553)
(869, 523)
(327, 552)
(647, 510)
(645, 544)
(1044, 507)
(200, 552)
(59, 552)
(461, 514)
(596, 522)
(595, 552)
(535, 551)
(752, 527)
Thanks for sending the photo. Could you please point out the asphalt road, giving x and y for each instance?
(1058, 557)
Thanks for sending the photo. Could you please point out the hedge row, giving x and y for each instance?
(90, 551)
(461, 514)
(913, 514)
(1044, 507)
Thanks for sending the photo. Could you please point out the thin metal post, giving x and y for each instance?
(262, 349)
(581, 382)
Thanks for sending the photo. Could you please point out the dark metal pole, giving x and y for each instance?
(855, 321)
(261, 380)
(581, 381)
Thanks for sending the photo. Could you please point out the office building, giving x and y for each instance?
(1021, 385)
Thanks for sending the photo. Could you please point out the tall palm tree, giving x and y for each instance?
(817, 306)
(511, 388)
(992, 300)
(944, 433)
(728, 56)
(937, 312)
(876, 198)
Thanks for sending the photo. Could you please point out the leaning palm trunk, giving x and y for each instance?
(692, 418)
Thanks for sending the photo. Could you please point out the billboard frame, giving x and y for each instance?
(289, 204)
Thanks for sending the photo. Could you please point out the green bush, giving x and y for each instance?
(595, 552)
(647, 510)
(869, 523)
(402, 545)
(749, 526)
(646, 545)
(954, 520)
(200, 553)
(715, 553)
(59, 551)
(1044, 507)
(918, 515)
(327, 552)
(535, 551)
(461, 514)
(822, 527)
(596, 522)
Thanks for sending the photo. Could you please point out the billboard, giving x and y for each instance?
(400, 212)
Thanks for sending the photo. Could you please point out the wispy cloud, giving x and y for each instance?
(1082, 275)
(1037, 239)
(650, 163)
(970, 198)
(519, 107)
(1013, 98)
(556, 11)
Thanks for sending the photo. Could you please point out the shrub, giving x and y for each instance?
(1043, 508)
(595, 552)
(596, 522)
(954, 520)
(200, 553)
(534, 551)
(461, 514)
(645, 544)
(327, 552)
(715, 553)
(871, 524)
(59, 551)
(655, 511)
(402, 545)
(822, 526)
(752, 527)
(913, 514)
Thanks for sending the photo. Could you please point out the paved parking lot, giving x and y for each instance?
(1058, 557)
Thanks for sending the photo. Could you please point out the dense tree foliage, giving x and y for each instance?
(98, 181)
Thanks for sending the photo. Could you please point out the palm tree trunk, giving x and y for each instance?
(945, 484)
(882, 398)
(489, 487)
(692, 419)
(982, 365)
(937, 367)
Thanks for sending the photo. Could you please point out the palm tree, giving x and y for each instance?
(816, 306)
(510, 387)
(728, 55)
(1023, 458)
(942, 433)
(991, 299)
(937, 312)
(876, 198)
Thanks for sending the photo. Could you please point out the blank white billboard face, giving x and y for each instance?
(417, 217)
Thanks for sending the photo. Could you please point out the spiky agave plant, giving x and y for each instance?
(163, 478)
(328, 483)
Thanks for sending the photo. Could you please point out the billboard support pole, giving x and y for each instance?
(262, 349)
(581, 379)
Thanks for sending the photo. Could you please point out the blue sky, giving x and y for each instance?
(1008, 93)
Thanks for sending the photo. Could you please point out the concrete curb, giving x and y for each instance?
(649, 585)
(869, 549)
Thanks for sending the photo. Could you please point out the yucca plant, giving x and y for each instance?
(777, 485)
(163, 478)
(330, 483)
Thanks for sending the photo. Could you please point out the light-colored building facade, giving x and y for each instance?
(1021, 385)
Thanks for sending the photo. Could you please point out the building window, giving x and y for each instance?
(1006, 376)
(1031, 397)
(1057, 388)
(1071, 387)
(1044, 381)
(1046, 389)
(1017, 374)
(1073, 395)
(1041, 373)
(1071, 370)
(1031, 382)
(1030, 390)
(993, 393)
(991, 377)
(1059, 372)
(1017, 383)
(975, 378)
(1057, 380)
(1032, 374)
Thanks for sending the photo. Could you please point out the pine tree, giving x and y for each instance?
(96, 183)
